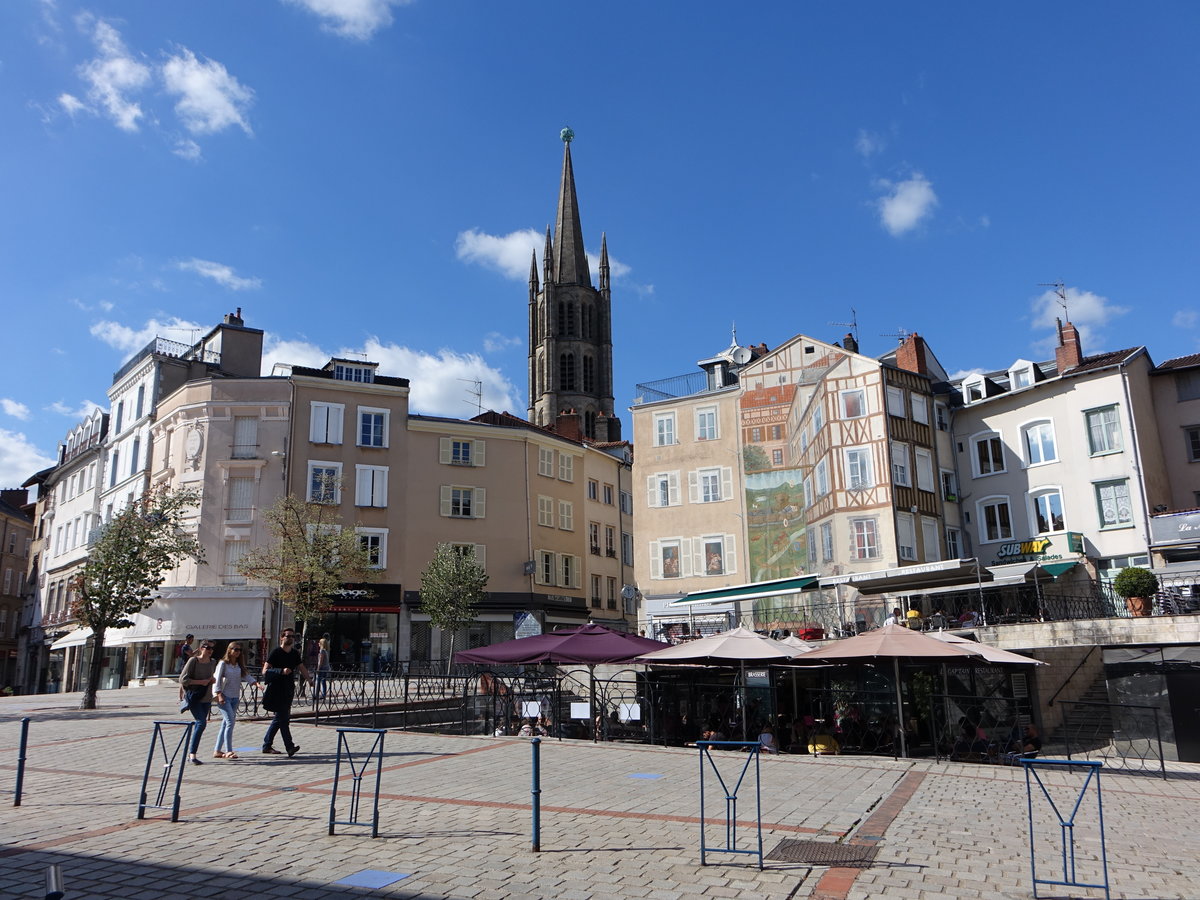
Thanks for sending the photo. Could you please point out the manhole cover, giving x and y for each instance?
(822, 853)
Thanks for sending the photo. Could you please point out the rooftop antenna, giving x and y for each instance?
(192, 332)
(475, 392)
(852, 324)
(1060, 290)
(900, 334)
(362, 353)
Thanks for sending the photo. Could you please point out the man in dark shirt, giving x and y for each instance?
(279, 671)
(185, 651)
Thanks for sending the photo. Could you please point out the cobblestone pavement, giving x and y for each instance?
(618, 820)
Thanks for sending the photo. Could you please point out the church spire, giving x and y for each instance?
(533, 276)
(604, 274)
(571, 265)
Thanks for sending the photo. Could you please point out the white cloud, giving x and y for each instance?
(188, 149)
(867, 144)
(963, 373)
(439, 381)
(508, 254)
(906, 203)
(82, 411)
(1185, 318)
(104, 305)
(122, 337)
(15, 409)
(220, 273)
(71, 104)
(358, 19)
(495, 342)
(113, 76)
(19, 458)
(210, 99)
(1087, 311)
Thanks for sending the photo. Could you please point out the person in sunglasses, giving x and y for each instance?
(280, 673)
(229, 678)
(196, 681)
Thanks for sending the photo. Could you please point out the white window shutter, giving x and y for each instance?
(444, 451)
(693, 486)
(652, 491)
(698, 557)
(446, 496)
(381, 487)
(673, 483)
(480, 502)
(481, 555)
(318, 423)
(558, 570)
(730, 555)
(726, 483)
(335, 425)
(477, 452)
(576, 572)
(362, 487)
(655, 560)
(685, 558)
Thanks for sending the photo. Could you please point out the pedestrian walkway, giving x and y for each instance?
(618, 820)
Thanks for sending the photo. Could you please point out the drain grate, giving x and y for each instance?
(823, 853)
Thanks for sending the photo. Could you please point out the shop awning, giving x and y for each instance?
(1021, 571)
(113, 637)
(914, 579)
(1055, 569)
(233, 616)
(753, 591)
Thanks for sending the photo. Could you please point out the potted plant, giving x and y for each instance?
(1138, 586)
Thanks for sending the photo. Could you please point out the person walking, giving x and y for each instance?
(195, 683)
(324, 667)
(185, 651)
(230, 675)
(280, 673)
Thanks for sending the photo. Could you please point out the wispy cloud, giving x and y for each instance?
(905, 204)
(19, 458)
(186, 148)
(220, 273)
(1185, 318)
(130, 340)
(1087, 311)
(440, 382)
(358, 19)
(112, 77)
(963, 373)
(14, 409)
(509, 254)
(80, 411)
(210, 99)
(868, 143)
(71, 104)
(103, 305)
(494, 342)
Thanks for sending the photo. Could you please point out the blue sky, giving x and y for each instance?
(367, 175)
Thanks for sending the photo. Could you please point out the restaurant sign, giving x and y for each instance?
(1025, 551)
(1178, 528)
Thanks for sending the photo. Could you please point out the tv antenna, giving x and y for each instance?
(475, 393)
(900, 334)
(852, 324)
(192, 332)
(1060, 290)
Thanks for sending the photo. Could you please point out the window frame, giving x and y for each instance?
(1040, 493)
(378, 486)
(1027, 432)
(381, 534)
(707, 431)
(989, 438)
(844, 407)
(895, 402)
(1097, 487)
(336, 468)
(1114, 427)
(385, 426)
(901, 465)
(997, 501)
(665, 431)
(321, 432)
(865, 464)
(566, 515)
(546, 461)
(566, 467)
(864, 541)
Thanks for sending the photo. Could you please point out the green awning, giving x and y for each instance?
(752, 591)
(1057, 568)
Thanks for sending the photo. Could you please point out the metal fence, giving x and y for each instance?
(980, 729)
(1123, 736)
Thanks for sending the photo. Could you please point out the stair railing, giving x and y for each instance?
(1078, 666)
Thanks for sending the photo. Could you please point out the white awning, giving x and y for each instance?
(113, 637)
(223, 618)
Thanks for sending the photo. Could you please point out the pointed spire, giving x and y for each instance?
(548, 259)
(604, 262)
(533, 276)
(570, 265)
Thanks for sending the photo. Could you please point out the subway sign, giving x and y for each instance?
(1020, 551)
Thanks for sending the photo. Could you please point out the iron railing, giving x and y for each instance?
(1124, 736)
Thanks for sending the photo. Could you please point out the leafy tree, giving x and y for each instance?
(451, 590)
(754, 458)
(310, 557)
(127, 564)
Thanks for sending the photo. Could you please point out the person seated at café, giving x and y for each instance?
(712, 732)
(766, 740)
(1028, 747)
(896, 618)
(969, 619)
(938, 621)
(913, 619)
(822, 742)
(528, 729)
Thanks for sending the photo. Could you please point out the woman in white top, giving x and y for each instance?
(229, 677)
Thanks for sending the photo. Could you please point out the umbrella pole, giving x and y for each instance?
(900, 709)
(745, 735)
(592, 702)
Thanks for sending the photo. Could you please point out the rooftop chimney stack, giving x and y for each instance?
(912, 355)
(1068, 354)
(850, 343)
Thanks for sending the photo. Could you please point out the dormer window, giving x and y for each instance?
(1020, 375)
(972, 390)
(348, 372)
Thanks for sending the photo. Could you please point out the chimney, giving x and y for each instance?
(567, 425)
(234, 318)
(912, 355)
(1068, 354)
(850, 343)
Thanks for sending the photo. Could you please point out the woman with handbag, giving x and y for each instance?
(195, 683)
(228, 679)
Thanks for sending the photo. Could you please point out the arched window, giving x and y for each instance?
(587, 321)
(589, 424)
(566, 372)
(562, 317)
(571, 319)
(589, 374)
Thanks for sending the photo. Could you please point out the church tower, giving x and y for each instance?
(570, 328)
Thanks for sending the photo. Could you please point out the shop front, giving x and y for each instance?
(364, 630)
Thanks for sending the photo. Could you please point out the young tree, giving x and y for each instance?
(128, 562)
(310, 559)
(451, 590)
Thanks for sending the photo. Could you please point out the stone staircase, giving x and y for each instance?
(1087, 724)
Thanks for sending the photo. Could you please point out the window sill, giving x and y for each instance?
(1122, 527)
(990, 474)
(1038, 465)
(1104, 453)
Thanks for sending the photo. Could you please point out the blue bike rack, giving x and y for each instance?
(171, 761)
(752, 749)
(1070, 874)
(21, 747)
(358, 768)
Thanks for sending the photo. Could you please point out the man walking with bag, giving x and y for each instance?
(279, 671)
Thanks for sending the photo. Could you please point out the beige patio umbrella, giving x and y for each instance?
(986, 651)
(801, 646)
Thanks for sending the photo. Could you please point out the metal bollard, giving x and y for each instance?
(21, 761)
(536, 791)
(54, 882)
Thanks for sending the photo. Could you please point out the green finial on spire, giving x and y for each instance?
(567, 135)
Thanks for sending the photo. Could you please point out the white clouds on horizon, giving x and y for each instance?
(210, 99)
(15, 409)
(1087, 311)
(357, 19)
(510, 255)
(82, 411)
(220, 273)
(130, 340)
(19, 458)
(495, 342)
(905, 204)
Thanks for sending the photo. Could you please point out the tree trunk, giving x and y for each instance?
(95, 667)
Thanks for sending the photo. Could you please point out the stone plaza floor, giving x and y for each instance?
(617, 820)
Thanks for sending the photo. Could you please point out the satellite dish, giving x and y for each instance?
(628, 592)
(741, 355)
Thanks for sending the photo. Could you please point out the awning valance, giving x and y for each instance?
(113, 637)
(223, 617)
(916, 579)
(752, 591)
(1055, 569)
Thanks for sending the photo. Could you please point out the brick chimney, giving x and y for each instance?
(567, 425)
(912, 355)
(850, 343)
(1068, 354)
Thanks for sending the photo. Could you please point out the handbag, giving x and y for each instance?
(185, 703)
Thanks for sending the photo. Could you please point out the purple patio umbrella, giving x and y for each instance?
(588, 645)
